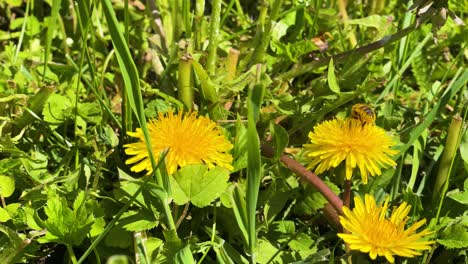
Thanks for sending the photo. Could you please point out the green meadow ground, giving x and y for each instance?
(77, 76)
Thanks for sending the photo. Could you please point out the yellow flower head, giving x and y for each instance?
(371, 232)
(190, 140)
(363, 145)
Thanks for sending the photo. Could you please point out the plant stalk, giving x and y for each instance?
(214, 34)
(445, 166)
(185, 82)
(309, 176)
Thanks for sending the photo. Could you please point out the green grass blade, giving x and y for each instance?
(214, 33)
(254, 164)
(429, 118)
(135, 99)
(56, 4)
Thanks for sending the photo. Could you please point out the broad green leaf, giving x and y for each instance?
(4, 215)
(11, 251)
(455, 236)
(332, 82)
(152, 246)
(294, 51)
(464, 147)
(98, 227)
(460, 196)
(7, 186)
(90, 112)
(36, 167)
(65, 225)
(304, 245)
(118, 259)
(110, 137)
(313, 200)
(268, 253)
(57, 109)
(136, 221)
(197, 184)
(382, 24)
(240, 146)
(280, 139)
(118, 237)
(14, 3)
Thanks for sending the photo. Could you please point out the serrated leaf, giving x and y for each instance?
(7, 186)
(304, 245)
(332, 82)
(12, 250)
(313, 200)
(118, 237)
(136, 221)
(197, 184)
(460, 196)
(455, 236)
(65, 225)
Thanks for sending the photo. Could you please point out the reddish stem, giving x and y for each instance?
(309, 176)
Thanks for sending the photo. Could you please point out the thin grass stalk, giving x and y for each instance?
(84, 27)
(186, 15)
(23, 30)
(215, 20)
(71, 254)
(199, 22)
(177, 18)
(445, 166)
(56, 4)
(453, 88)
(126, 21)
(344, 15)
(185, 88)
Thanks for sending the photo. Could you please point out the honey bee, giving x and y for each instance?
(363, 113)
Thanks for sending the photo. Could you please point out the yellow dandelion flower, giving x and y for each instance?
(366, 146)
(371, 232)
(190, 140)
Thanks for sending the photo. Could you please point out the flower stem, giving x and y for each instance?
(71, 253)
(445, 166)
(214, 33)
(301, 171)
(185, 81)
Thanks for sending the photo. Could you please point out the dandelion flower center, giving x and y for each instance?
(371, 232)
(190, 140)
(366, 146)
